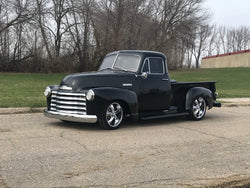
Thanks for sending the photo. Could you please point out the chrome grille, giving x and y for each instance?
(71, 103)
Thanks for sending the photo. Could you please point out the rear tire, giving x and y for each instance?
(112, 116)
(198, 108)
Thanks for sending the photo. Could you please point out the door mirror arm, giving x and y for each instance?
(143, 75)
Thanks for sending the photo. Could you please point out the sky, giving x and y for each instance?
(231, 13)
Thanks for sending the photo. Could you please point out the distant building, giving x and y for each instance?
(234, 59)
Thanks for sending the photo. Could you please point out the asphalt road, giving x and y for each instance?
(40, 152)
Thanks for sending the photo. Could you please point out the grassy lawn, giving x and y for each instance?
(231, 82)
(24, 90)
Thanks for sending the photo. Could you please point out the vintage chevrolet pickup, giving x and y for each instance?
(128, 84)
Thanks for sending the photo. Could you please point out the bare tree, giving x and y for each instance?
(41, 7)
(23, 11)
(58, 12)
(177, 22)
(200, 43)
(54, 35)
(226, 40)
(79, 24)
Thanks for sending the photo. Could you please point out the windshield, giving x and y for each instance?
(108, 62)
(126, 62)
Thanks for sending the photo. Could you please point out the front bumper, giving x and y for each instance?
(71, 117)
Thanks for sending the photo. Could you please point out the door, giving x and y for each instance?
(156, 92)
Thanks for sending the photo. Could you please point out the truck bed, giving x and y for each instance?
(180, 89)
(178, 85)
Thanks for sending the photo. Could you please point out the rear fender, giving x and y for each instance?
(199, 91)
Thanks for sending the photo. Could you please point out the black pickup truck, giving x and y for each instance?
(128, 84)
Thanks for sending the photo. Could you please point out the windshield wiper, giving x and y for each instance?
(106, 69)
(121, 68)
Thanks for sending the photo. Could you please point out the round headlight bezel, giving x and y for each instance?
(90, 95)
(47, 91)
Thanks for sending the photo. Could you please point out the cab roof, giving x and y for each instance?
(142, 53)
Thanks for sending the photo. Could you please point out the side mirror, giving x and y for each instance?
(144, 75)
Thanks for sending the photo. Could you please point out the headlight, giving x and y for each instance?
(90, 95)
(47, 92)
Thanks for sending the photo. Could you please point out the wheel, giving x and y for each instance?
(198, 108)
(112, 116)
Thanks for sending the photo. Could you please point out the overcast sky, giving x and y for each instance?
(233, 13)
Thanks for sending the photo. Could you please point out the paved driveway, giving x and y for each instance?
(40, 152)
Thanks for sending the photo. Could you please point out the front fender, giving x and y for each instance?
(106, 95)
(52, 88)
(199, 91)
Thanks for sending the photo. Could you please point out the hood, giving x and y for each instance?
(88, 80)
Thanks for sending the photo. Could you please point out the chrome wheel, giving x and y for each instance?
(114, 115)
(199, 108)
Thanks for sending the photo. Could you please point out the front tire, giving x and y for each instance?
(198, 108)
(112, 116)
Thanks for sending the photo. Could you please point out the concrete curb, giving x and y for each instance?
(21, 110)
(234, 102)
(226, 102)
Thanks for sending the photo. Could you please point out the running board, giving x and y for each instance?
(164, 116)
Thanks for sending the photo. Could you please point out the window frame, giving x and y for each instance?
(148, 58)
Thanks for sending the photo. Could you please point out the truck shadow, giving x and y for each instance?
(127, 124)
(155, 122)
(77, 126)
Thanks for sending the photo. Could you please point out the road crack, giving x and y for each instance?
(3, 130)
(3, 184)
(151, 183)
(71, 140)
(213, 135)
(12, 144)
(240, 181)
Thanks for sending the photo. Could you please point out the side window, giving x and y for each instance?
(156, 66)
(145, 66)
